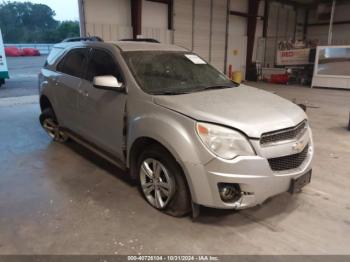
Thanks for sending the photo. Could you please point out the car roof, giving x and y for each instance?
(125, 46)
(146, 46)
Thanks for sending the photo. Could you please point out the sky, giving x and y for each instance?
(64, 9)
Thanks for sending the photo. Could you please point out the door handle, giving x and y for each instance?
(84, 93)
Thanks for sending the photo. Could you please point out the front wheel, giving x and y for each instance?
(50, 124)
(162, 182)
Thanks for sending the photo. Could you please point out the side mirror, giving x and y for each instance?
(108, 83)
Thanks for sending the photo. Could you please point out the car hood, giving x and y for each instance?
(248, 109)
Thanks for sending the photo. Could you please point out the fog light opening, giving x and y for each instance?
(229, 192)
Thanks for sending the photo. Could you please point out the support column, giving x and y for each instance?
(253, 8)
(228, 4)
(171, 15)
(266, 17)
(330, 32)
(82, 20)
(306, 24)
(136, 17)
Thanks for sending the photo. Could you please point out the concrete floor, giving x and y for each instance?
(62, 199)
(23, 76)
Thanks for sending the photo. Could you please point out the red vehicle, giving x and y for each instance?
(12, 51)
(15, 52)
(30, 52)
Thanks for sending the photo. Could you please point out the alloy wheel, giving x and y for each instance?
(52, 128)
(157, 183)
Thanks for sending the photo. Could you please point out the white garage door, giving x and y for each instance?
(200, 26)
(218, 40)
(281, 27)
(183, 22)
(237, 44)
(109, 19)
(237, 39)
(201, 30)
(155, 26)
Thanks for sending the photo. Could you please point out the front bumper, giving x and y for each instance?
(254, 175)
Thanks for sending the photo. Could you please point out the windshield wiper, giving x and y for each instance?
(171, 93)
(214, 87)
(197, 89)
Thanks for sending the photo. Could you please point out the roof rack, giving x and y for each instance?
(149, 40)
(78, 39)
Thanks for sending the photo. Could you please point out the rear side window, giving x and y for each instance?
(102, 64)
(54, 54)
(74, 62)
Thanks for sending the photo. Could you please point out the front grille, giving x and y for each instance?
(284, 134)
(288, 162)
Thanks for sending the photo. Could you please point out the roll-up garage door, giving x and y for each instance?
(200, 26)
(237, 37)
(218, 36)
(281, 27)
(237, 44)
(201, 30)
(155, 21)
(183, 22)
(108, 19)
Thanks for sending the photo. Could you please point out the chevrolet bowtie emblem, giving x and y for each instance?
(298, 146)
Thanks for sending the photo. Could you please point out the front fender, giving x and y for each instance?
(177, 134)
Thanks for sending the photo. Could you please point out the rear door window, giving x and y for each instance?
(74, 62)
(102, 64)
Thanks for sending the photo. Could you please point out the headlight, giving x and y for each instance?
(224, 142)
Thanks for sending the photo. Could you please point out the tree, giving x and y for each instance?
(64, 30)
(29, 23)
(68, 29)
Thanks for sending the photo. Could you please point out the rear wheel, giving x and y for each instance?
(162, 182)
(50, 124)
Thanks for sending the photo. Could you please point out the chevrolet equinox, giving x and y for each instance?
(184, 131)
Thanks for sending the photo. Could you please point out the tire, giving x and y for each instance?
(50, 124)
(178, 203)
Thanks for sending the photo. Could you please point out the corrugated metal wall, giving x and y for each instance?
(340, 32)
(156, 26)
(200, 26)
(286, 22)
(281, 27)
(183, 23)
(109, 19)
(218, 34)
(300, 19)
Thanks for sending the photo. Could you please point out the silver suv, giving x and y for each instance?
(182, 129)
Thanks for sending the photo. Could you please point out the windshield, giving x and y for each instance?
(160, 72)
